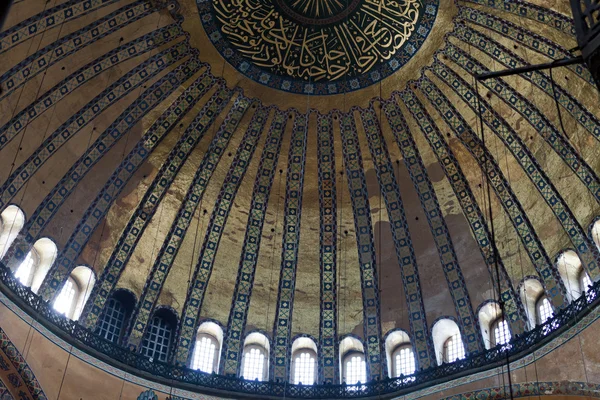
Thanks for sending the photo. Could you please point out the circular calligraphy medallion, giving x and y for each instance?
(317, 46)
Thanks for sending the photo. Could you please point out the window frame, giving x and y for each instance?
(35, 263)
(539, 305)
(460, 352)
(348, 355)
(294, 365)
(103, 321)
(215, 356)
(76, 293)
(397, 352)
(496, 324)
(146, 338)
(265, 372)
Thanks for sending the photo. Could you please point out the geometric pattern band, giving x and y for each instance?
(328, 367)
(233, 341)
(282, 326)
(214, 231)
(513, 308)
(185, 215)
(147, 207)
(357, 185)
(471, 334)
(551, 281)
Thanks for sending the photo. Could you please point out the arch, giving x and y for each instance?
(531, 292)
(115, 316)
(489, 314)
(12, 221)
(447, 340)
(256, 357)
(304, 361)
(34, 268)
(352, 360)
(85, 279)
(570, 268)
(394, 339)
(157, 343)
(207, 350)
(594, 232)
(75, 292)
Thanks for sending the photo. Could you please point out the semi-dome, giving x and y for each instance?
(317, 195)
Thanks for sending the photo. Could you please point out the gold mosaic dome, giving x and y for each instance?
(298, 174)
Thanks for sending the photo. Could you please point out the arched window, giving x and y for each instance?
(447, 341)
(570, 269)
(75, 292)
(404, 361)
(544, 309)
(115, 315)
(501, 332)
(352, 359)
(35, 266)
(12, 221)
(395, 341)
(537, 304)
(355, 368)
(454, 349)
(304, 361)
(207, 350)
(157, 341)
(256, 354)
(65, 301)
(25, 271)
(494, 328)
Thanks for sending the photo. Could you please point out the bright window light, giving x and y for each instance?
(254, 364)
(304, 369)
(204, 354)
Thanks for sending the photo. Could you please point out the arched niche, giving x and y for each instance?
(46, 251)
(349, 345)
(208, 344)
(394, 339)
(304, 361)
(489, 312)
(85, 279)
(255, 358)
(442, 330)
(12, 220)
(530, 291)
(570, 270)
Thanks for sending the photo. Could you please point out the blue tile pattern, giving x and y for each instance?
(512, 303)
(42, 59)
(586, 250)
(467, 323)
(282, 326)
(48, 19)
(539, 257)
(233, 342)
(90, 221)
(143, 213)
(83, 75)
(174, 239)
(357, 186)
(215, 228)
(123, 86)
(328, 365)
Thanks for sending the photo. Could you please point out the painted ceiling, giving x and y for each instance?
(308, 167)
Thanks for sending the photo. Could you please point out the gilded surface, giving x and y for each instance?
(316, 40)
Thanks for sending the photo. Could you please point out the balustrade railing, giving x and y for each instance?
(171, 374)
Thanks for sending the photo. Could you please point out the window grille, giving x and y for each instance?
(304, 368)
(254, 364)
(204, 354)
(112, 320)
(157, 340)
